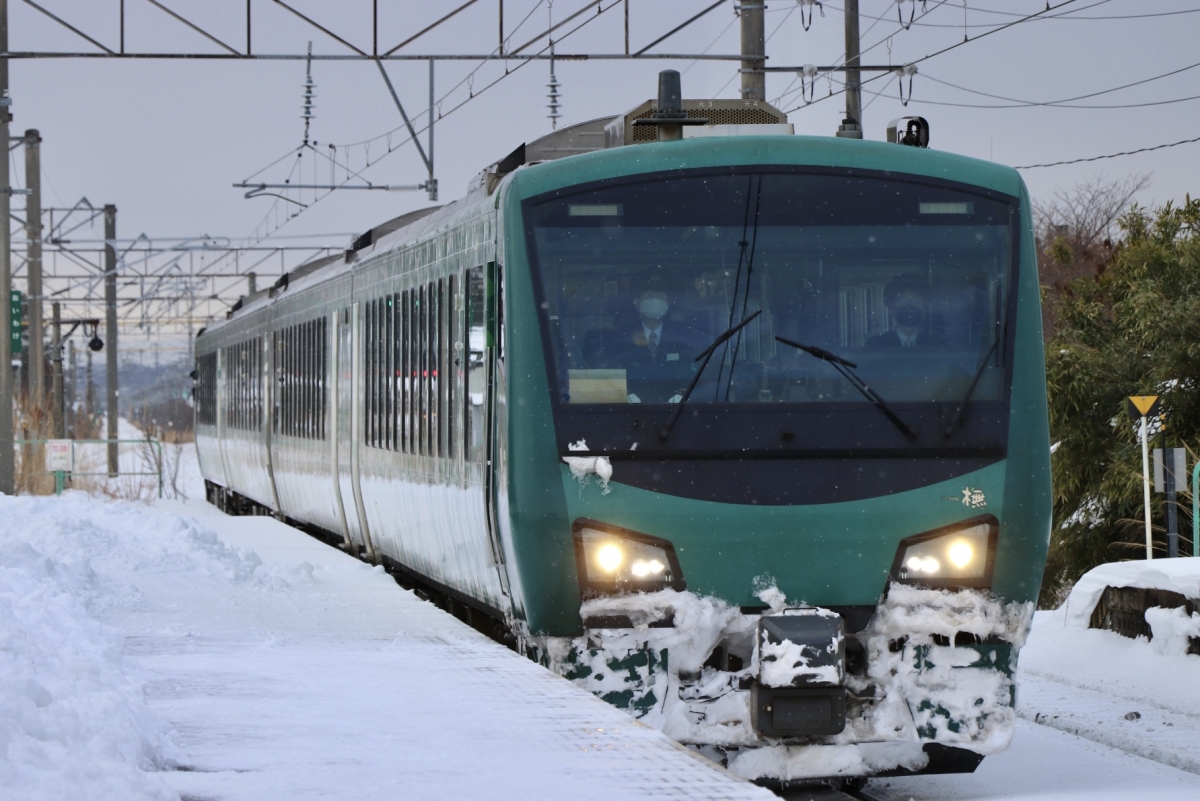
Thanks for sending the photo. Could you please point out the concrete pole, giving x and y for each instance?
(252, 283)
(1146, 488)
(89, 393)
(56, 372)
(851, 127)
(72, 391)
(110, 332)
(33, 262)
(6, 373)
(754, 80)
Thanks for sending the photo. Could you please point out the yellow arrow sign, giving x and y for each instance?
(1143, 403)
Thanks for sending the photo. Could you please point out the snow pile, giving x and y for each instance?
(933, 688)
(1180, 575)
(73, 719)
(1172, 630)
(796, 762)
(791, 664)
(584, 466)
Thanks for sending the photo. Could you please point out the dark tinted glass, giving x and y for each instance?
(906, 280)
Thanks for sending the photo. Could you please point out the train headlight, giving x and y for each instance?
(614, 560)
(960, 555)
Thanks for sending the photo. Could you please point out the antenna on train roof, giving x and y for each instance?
(670, 116)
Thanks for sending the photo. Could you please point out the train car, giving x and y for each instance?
(743, 431)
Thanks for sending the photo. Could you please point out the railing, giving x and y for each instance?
(61, 475)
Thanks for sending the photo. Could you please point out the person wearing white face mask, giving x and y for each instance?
(907, 300)
(652, 305)
(658, 353)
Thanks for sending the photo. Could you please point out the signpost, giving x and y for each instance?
(1143, 406)
(58, 461)
(15, 321)
(1170, 473)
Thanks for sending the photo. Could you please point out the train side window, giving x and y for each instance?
(443, 373)
(402, 371)
(475, 344)
(365, 350)
(307, 423)
(389, 374)
(377, 346)
(453, 361)
(500, 309)
(299, 378)
(282, 383)
(422, 370)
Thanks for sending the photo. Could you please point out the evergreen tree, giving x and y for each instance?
(1132, 329)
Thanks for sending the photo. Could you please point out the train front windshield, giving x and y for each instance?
(906, 281)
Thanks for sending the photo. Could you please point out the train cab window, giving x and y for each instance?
(206, 389)
(908, 280)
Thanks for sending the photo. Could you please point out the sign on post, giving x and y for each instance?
(1143, 406)
(15, 318)
(1170, 473)
(1140, 407)
(58, 455)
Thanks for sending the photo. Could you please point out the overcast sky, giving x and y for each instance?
(164, 140)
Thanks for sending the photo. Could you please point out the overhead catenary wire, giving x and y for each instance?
(274, 210)
(1064, 100)
(954, 46)
(1110, 155)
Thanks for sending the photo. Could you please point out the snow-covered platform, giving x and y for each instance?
(274, 666)
(170, 651)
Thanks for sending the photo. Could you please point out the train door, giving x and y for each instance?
(222, 412)
(479, 416)
(497, 423)
(267, 381)
(349, 427)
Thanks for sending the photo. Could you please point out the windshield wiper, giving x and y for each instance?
(846, 368)
(706, 355)
(962, 406)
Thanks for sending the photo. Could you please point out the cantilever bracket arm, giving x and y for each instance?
(404, 115)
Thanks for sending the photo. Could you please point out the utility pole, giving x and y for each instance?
(6, 373)
(851, 127)
(33, 264)
(72, 393)
(110, 328)
(754, 80)
(56, 372)
(251, 283)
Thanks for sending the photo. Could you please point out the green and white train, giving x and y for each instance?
(743, 431)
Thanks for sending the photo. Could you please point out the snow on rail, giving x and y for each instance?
(144, 656)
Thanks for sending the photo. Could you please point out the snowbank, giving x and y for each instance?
(1175, 575)
(73, 719)
(74, 722)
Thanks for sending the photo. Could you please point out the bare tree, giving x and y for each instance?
(1075, 229)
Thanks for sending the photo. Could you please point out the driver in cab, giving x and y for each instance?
(907, 300)
(656, 352)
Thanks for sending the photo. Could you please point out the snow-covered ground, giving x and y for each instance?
(168, 651)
